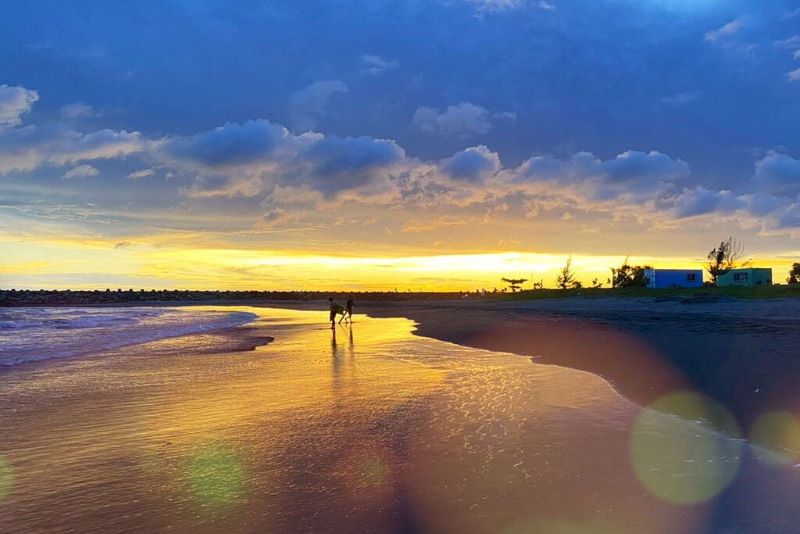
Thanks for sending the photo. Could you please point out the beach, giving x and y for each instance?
(367, 427)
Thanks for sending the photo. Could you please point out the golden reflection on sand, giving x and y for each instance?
(365, 427)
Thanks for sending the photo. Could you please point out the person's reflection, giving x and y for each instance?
(351, 351)
(335, 361)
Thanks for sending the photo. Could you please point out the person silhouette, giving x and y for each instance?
(348, 308)
(334, 308)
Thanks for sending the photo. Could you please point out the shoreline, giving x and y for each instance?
(738, 352)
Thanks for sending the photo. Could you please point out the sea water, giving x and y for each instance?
(34, 334)
(365, 427)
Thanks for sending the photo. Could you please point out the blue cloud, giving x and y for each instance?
(345, 163)
(636, 166)
(777, 173)
(473, 164)
(231, 144)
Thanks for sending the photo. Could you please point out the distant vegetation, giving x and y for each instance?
(566, 277)
(794, 274)
(724, 258)
(515, 284)
(629, 275)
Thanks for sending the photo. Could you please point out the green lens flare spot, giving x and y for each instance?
(779, 434)
(215, 476)
(6, 478)
(685, 448)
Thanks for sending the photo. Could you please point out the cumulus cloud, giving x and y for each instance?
(701, 201)
(249, 158)
(297, 177)
(309, 104)
(777, 173)
(631, 173)
(374, 64)
(345, 163)
(473, 164)
(230, 145)
(726, 30)
(14, 102)
(26, 148)
(81, 171)
(464, 119)
(794, 75)
(633, 166)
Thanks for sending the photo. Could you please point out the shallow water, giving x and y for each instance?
(36, 334)
(373, 429)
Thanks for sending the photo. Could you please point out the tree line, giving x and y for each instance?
(722, 259)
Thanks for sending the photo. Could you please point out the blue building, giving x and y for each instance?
(665, 278)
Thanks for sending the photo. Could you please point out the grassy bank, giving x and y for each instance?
(759, 292)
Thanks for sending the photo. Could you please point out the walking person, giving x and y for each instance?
(334, 309)
(348, 308)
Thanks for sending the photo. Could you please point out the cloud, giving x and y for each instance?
(631, 166)
(28, 147)
(81, 171)
(250, 158)
(122, 244)
(14, 102)
(792, 42)
(723, 32)
(376, 64)
(143, 173)
(224, 186)
(630, 174)
(793, 76)
(496, 5)
(701, 201)
(473, 164)
(309, 104)
(344, 163)
(77, 110)
(777, 173)
(421, 226)
(681, 99)
(547, 6)
(230, 145)
(463, 120)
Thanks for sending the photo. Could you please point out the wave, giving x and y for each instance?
(37, 334)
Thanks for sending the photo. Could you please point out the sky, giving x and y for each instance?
(392, 144)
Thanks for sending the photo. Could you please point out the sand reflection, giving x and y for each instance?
(363, 428)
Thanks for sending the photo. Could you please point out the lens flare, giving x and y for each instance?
(6, 478)
(779, 433)
(215, 476)
(686, 459)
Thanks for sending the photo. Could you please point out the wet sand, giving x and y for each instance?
(743, 353)
(372, 429)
